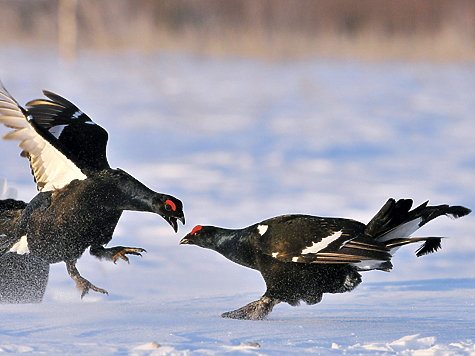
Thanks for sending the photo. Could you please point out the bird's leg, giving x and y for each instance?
(114, 253)
(83, 284)
(257, 310)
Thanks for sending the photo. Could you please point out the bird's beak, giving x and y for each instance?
(173, 222)
(185, 241)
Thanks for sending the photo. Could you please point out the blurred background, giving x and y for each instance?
(248, 109)
(369, 29)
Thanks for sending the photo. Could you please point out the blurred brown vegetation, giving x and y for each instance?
(369, 29)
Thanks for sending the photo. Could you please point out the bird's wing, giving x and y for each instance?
(310, 239)
(85, 141)
(51, 164)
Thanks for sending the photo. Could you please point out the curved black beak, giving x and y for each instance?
(173, 222)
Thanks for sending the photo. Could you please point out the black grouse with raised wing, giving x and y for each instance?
(80, 197)
(301, 257)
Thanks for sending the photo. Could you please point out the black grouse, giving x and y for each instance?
(301, 257)
(80, 197)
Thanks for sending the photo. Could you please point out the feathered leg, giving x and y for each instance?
(257, 310)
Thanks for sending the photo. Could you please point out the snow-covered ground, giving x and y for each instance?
(240, 140)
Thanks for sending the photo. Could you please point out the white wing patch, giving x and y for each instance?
(275, 254)
(57, 130)
(262, 229)
(318, 246)
(51, 168)
(21, 247)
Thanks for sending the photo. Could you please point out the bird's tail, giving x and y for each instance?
(10, 212)
(7, 199)
(394, 224)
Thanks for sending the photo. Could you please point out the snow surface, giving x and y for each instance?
(241, 140)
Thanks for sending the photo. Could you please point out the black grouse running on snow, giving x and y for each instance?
(80, 197)
(301, 256)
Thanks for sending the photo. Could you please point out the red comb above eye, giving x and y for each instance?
(196, 228)
(172, 204)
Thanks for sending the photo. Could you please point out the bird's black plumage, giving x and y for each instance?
(80, 197)
(301, 257)
(23, 278)
(61, 121)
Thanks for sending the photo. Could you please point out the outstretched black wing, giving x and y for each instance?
(311, 239)
(60, 141)
(51, 165)
(85, 140)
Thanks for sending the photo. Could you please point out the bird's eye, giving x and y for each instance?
(196, 230)
(169, 205)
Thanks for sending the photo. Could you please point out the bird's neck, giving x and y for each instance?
(237, 247)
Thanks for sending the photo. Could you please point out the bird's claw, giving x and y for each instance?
(84, 288)
(82, 283)
(127, 250)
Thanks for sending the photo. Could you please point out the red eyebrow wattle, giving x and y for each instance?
(196, 228)
(172, 204)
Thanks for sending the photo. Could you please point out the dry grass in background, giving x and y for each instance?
(367, 29)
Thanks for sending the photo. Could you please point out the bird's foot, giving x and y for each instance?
(137, 251)
(82, 283)
(114, 253)
(257, 310)
(84, 286)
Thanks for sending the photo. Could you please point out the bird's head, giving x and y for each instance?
(234, 244)
(203, 236)
(169, 208)
(127, 193)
